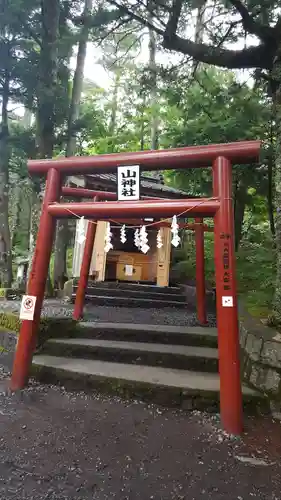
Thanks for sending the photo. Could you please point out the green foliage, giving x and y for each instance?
(255, 266)
(184, 258)
(10, 321)
(213, 109)
(256, 270)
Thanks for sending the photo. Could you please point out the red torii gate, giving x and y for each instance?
(220, 156)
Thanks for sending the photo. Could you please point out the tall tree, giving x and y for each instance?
(199, 26)
(154, 97)
(48, 73)
(5, 243)
(74, 111)
(13, 37)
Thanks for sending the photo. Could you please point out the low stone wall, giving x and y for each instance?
(261, 355)
(10, 294)
(8, 340)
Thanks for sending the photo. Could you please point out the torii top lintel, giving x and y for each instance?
(243, 152)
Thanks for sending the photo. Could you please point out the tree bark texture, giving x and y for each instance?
(14, 209)
(50, 11)
(154, 105)
(276, 75)
(34, 223)
(78, 79)
(199, 27)
(5, 239)
(62, 234)
(270, 202)
(240, 205)
(114, 103)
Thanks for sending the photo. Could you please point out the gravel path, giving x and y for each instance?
(167, 316)
(60, 445)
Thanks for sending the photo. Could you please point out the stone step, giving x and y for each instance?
(132, 302)
(137, 294)
(160, 334)
(142, 287)
(140, 353)
(166, 386)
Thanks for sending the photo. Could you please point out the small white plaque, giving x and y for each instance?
(128, 180)
(128, 270)
(27, 307)
(227, 301)
(20, 272)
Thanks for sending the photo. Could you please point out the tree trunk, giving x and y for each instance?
(153, 92)
(142, 124)
(60, 254)
(240, 205)
(270, 204)
(78, 79)
(200, 18)
(62, 233)
(114, 103)
(5, 240)
(199, 28)
(50, 11)
(46, 93)
(33, 226)
(27, 118)
(15, 209)
(276, 74)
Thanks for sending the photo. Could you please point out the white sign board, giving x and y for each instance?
(27, 307)
(128, 270)
(227, 301)
(128, 181)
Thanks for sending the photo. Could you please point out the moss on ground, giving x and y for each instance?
(49, 327)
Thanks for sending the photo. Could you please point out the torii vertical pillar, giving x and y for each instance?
(200, 272)
(37, 282)
(85, 269)
(227, 314)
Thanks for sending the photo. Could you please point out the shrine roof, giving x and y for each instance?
(149, 184)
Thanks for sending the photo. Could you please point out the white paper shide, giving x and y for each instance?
(137, 238)
(144, 247)
(175, 232)
(81, 233)
(159, 242)
(108, 236)
(123, 237)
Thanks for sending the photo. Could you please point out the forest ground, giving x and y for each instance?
(61, 445)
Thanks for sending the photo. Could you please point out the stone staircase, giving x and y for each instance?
(111, 293)
(169, 365)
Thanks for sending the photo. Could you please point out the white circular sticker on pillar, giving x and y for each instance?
(227, 301)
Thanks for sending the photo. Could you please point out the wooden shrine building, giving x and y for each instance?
(126, 262)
